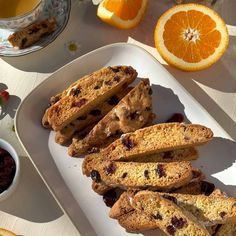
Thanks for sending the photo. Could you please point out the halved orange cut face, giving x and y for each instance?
(191, 36)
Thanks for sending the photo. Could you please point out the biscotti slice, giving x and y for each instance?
(169, 217)
(101, 188)
(131, 219)
(226, 230)
(66, 134)
(133, 112)
(88, 93)
(209, 210)
(32, 33)
(157, 138)
(158, 176)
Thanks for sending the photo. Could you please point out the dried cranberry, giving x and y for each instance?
(93, 150)
(3, 152)
(95, 112)
(110, 198)
(157, 216)
(97, 87)
(207, 188)
(114, 100)
(170, 229)
(146, 174)
(75, 92)
(160, 170)
(23, 42)
(150, 91)
(111, 168)
(82, 117)
(222, 214)
(44, 25)
(176, 117)
(79, 103)
(115, 69)
(178, 223)
(171, 198)
(95, 176)
(134, 115)
(168, 155)
(109, 83)
(124, 175)
(128, 70)
(127, 142)
(7, 170)
(117, 78)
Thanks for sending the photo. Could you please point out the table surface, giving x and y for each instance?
(32, 210)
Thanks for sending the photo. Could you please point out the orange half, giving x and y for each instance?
(191, 37)
(123, 14)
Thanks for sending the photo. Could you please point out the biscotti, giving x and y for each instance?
(132, 220)
(169, 217)
(88, 93)
(101, 188)
(133, 112)
(32, 33)
(169, 156)
(226, 230)
(66, 134)
(157, 138)
(209, 210)
(158, 176)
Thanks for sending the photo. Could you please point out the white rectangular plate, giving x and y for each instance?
(63, 175)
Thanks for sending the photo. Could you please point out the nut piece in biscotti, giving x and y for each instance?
(209, 210)
(66, 134)
(158, 138)
(32, 33)
(133, 112)
(88, 93)
(158, 176)
(168, 216)
(226, 230)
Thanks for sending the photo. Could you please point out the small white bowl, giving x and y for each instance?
(5, 145)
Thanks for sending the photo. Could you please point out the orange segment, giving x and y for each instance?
(122, 13)
(191, 36)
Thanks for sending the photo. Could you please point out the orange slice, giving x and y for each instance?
(123, 14)
(191, 37)
(4, 232)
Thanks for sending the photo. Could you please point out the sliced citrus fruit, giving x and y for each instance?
(123, 14)
(4, 232)
(191, 37)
